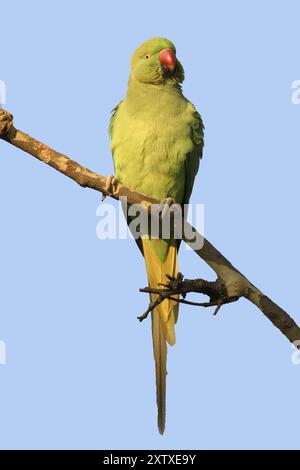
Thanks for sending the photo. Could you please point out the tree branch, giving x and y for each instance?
(234, 284)
(216, 291)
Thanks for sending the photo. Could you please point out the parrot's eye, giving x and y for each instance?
(147, 56)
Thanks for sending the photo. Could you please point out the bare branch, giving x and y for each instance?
(235, 283)
(215, 290)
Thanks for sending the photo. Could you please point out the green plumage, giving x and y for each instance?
(156, 134)
(157, 141)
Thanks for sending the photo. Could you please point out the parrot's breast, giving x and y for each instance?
(150, 143)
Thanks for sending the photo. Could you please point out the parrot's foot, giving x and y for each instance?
(165, 205)
(174, 283)
(111, 182)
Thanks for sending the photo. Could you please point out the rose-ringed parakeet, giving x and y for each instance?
(157, 141)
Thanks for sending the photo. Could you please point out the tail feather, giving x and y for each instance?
(160, 357)
(164, 317)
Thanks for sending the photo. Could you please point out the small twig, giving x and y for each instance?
(215, 290)
(219, 305)
(161, 298)
(189, 302)
(151, 307)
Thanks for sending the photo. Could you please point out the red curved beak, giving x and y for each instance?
(167, 58)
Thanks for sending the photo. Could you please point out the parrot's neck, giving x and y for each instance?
(137, 89)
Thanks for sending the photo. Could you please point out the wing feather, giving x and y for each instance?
(193, 158)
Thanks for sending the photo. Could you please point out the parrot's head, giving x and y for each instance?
(155, 62)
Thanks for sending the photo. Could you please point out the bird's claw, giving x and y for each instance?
(111, 183)
(173, 283)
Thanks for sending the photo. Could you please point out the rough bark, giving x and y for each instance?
(234, 284)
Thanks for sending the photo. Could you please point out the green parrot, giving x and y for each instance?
(157, 142)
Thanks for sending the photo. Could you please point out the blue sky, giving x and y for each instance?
(79, 370)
